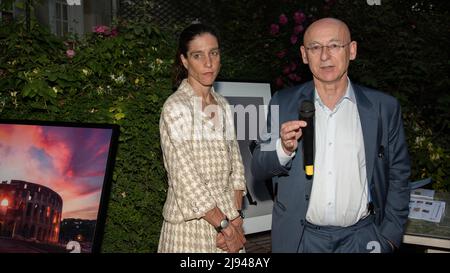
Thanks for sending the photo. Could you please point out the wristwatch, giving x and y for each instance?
(223, 225)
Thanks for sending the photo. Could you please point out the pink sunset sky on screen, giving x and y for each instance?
(69, 160)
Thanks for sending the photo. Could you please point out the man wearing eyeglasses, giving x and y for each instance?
(357, 199)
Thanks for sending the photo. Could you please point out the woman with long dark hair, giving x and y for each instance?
(201, 155)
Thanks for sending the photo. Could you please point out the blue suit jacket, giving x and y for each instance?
(387, 163)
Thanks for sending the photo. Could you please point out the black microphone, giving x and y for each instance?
(306, 112)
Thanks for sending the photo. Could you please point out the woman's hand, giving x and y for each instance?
(238, 223)
(234, 238)
(220, 242)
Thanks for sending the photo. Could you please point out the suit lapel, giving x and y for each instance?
(369, 123)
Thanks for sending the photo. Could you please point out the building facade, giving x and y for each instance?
(29, 211)
(64, 17)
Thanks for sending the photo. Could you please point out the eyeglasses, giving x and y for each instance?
(333, 48)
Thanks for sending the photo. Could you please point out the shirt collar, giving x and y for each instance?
(349, 94)
(186, 88)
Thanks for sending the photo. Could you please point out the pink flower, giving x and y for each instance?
(299, 17)
(114, 32)
(286, 70)
(279, 82)
(294, 77)
(298, 29)
(274, 29)
(70, 53)
(100, 29)
(294, 39)
(293, 66)
(281, 54)
(283, 19)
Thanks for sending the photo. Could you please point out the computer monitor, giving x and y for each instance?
(55, 179)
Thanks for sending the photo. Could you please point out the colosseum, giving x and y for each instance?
(29, 211)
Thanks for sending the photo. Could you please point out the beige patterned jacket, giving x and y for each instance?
(203, 161)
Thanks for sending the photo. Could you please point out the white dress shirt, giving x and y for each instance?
(339, 194)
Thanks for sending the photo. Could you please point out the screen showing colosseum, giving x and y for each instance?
(53, 186)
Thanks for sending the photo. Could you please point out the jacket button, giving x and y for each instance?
(307, 197)
(302, 222)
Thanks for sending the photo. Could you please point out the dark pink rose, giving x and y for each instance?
(281, 54)
(114, 32)
(274, 29)
(294, 39)
(294, 77)
(70, 53)
(100, 29)
(283, 19)
(293, 66)
(299, 17)
(298, 29)
(286, 70)
(279, 82)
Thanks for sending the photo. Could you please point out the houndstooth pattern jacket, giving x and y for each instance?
(202, 160)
